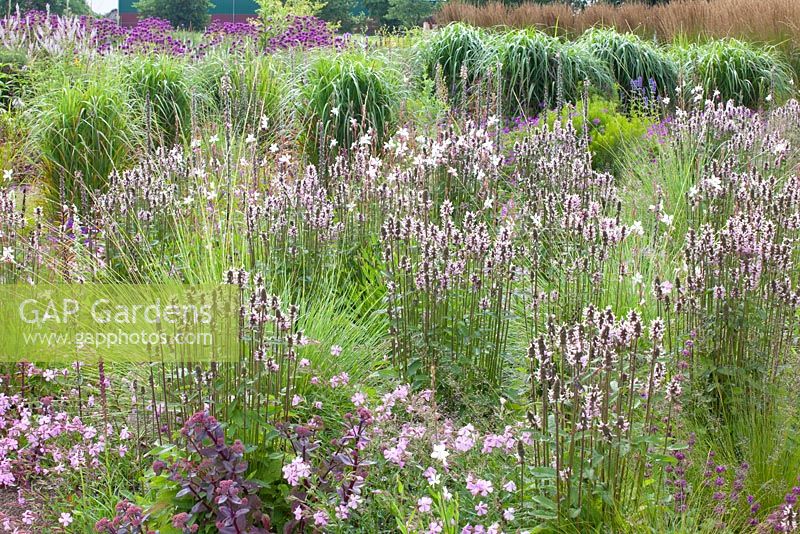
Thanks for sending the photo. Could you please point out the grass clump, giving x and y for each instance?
(539, 71)
(258, 90)
(345, 98)
(160, 84)
(740, 71)
(458, 55)
(633, 61)
(85, 131)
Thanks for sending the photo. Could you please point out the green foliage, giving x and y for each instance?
(258, 90)
(160, 85)
(339, 12)
(58, 7)
(276, 10)
(84, 131)
(254, 90)
(632, 59)
(611, 133)
(537, 70)
(411, 12)
(377, 10)
(459, 54)
(738, 70)
(346, 96)
(187, 14)
(12, 75)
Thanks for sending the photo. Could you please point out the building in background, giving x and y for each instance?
(226, 10)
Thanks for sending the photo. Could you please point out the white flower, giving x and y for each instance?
(8, 255)
(213, 139)
(250, 139)
(7, 174)
(440, 453)
(335, 111)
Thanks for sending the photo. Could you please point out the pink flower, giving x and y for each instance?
(424, 504)
(304, 363)
(435, 527)
(342, 512)
(297, 399)
(466, 438)
(336, 350)
(27, 517)
(180, 520)
(481, 508)
(296, 471)
(359, 399)
(340, 380)
(320, 518)
(477, 486)
(397, 454)
(508, 514)
(65, 519)
(510, 486)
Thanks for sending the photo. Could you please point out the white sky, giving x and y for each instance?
(102, 6)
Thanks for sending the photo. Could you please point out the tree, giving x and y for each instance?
(411, 12)
(377, 10)
(57, 7)
(339, 12)
(187, 14)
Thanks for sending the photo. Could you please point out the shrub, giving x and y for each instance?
(740, 71)
(538, 70)
(59, 7)
(410, 12)
(85, 132)
(160, 85)
(346, 97)
(610, 132)
(188, 14)
(633, 60)
(203, 483)
(459, 54)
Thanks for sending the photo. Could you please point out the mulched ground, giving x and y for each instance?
(11, 514)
